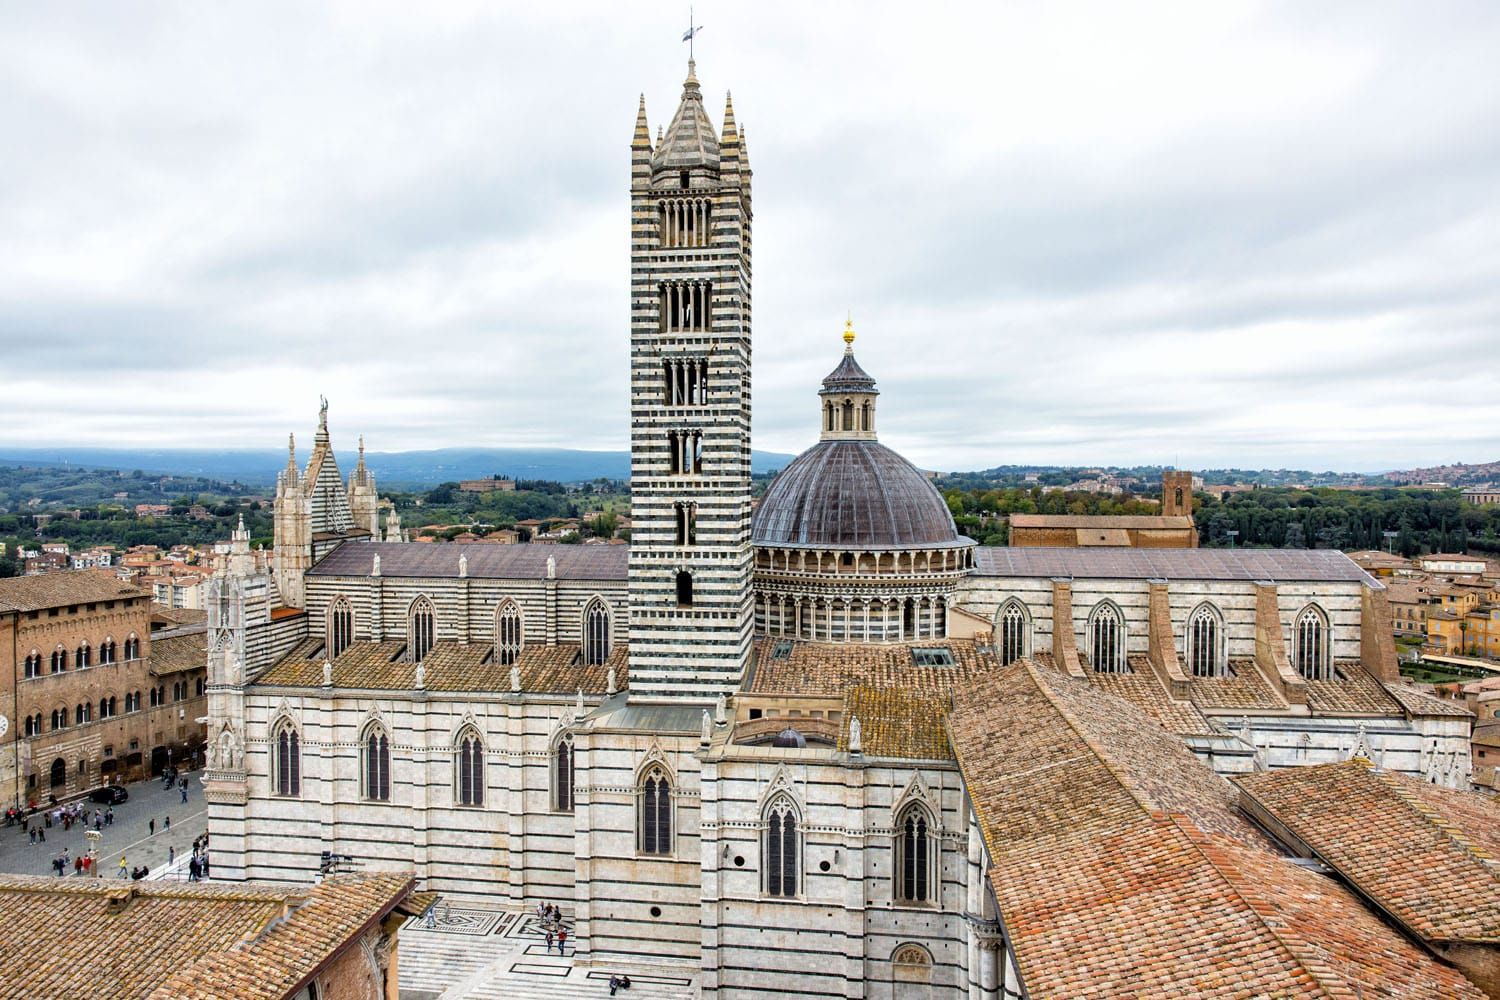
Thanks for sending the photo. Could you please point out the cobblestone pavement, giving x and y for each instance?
(477, 953)
(129, 835)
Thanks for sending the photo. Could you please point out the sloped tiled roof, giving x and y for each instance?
(493, 562)
(828, 669)
(450, 666)
(1400, 844)
(1245, 690)
(61, 942)
(896, 723)
(1356, 691)
(279, 960)
(53, 590)
(1122, 871)
(184, 651)
(1141, 688)
(1275, 565)
(1418, 702)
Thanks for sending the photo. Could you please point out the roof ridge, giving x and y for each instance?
(1114, 769)
(1208, 848)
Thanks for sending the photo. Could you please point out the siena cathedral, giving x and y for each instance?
(826, 746)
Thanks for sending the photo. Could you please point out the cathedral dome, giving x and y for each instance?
(846, 494)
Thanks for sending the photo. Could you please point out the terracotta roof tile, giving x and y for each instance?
(450, 666)
(175, 654)
(1141, 688)
(896, 723)
(1121, 870)
(1354, 691)
(1244, 689)
(52, 590)
(1418, 702)
(828, 669)
(1423, 854)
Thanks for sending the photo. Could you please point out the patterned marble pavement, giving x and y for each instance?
(474, 953)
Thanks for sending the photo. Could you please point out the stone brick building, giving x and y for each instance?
(95, 696)
(832, 749)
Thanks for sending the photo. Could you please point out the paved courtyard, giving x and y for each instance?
(129, 835)
(475, 953)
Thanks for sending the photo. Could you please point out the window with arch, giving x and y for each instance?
(1015, 630)
(1107, 640)
(912, 964)
(596, 632)
(1205, 634)
(34, 664)
(510, 633)
(83, 713)
(420, 627)
(1311, 644)
(286, 762)
(59, 776)
(132, 647)
(34, 724)
(59, 660)
(377, 765)
(655, 824)
(83, 657)
(563, 759)
(915, 856)
(469, 779)
(781, 848)
(107, 652)
(59, 718)
(340, 626)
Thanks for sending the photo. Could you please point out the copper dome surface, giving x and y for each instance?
(853, 495)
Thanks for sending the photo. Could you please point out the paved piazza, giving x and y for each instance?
(484, 953)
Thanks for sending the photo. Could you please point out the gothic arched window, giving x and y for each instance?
(914, 856)
(469, 779)
(596, 632)
(286, 763)
(34, 664)
(420, 628)
(377, 765)
(655, 826)
(82, 659)
(107, 651)
(59, 660)
(1205, 642)
(684, 589)
(59, 718)
(340, 626)
(562, 775)
(1015, 629)
(59, 774)
(781, 848)
(1310, 650)
(509, 633)
(132, 647)
(1107, 640)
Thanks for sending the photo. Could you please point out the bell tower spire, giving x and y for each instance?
(690, 556)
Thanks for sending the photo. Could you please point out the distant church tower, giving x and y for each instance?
(311, 513)
(690, 557)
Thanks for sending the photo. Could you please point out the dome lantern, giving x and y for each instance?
(847, 398)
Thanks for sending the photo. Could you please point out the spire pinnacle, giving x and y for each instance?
(291, 450)
(691, 83)
(731, 129)
(849, 334)
(642, 139)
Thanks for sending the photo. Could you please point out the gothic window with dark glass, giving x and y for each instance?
(470, 777)
(288, 760)
(1203, 642)
(421, 626)
(1013, 628)
(1312, 645)
(596, 633)
(377, 765)
(509, 640)
(656, 813)
(781, 849)
(340, 626)
(1107, 640)
(914, 856)
(562, 775)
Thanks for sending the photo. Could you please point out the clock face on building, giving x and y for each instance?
(4, 725)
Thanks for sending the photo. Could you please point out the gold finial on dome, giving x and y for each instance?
(849, 331)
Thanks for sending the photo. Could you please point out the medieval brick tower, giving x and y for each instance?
(690, 556)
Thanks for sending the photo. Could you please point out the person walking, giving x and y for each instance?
(171, 854)
(562, 939)
(167, 826)
(549, 940)
(151, 827)
(109, 816)
(124, 869)
(78, 866)
(41, 834)
(183, 786)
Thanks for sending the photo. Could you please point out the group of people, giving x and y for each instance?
(170, 777)
(551, 918)
(618, 983)
(198, 863)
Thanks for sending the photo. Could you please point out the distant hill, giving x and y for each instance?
(392, 469)
(1458, 474)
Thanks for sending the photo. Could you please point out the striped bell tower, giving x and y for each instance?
(691, 609)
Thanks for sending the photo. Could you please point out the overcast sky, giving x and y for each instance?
(1208, 233)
